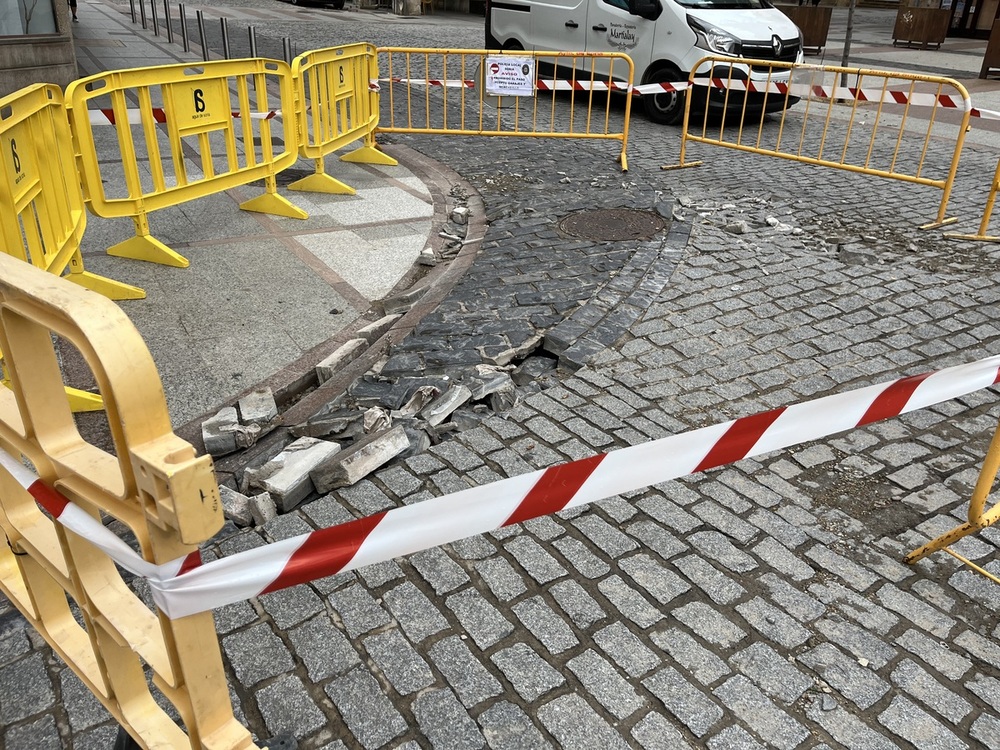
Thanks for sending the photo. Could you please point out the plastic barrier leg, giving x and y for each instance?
(146, 247)
(78, 400)
(321, 182)
(108, 287)
(272, 203)
(369, 153)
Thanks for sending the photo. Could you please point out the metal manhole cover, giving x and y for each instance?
(613, 224)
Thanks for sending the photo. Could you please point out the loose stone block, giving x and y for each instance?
(438, 410)
(262, 508)
(235, 506)
(375, 330)
(219, 432)
(358, 461)
(401, 303)
(258, 408)
(342, 356)
(290, 484)
(460, 215)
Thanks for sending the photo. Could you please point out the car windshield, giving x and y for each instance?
(725, 4)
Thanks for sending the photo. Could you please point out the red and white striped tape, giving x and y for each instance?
(185, 587)
(134, 116)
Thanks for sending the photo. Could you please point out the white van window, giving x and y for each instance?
(728, 4)
(623, 4)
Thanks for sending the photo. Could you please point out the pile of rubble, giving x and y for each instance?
(376, 421)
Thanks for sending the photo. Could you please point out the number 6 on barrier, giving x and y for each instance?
(222, 112)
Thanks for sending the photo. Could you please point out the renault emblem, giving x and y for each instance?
(776, 45)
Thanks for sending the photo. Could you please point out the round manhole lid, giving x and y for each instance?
(613, 224)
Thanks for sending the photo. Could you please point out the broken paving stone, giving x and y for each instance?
(235, 506)
(376, 419)
(258, 407)
(468, 419)
(341, 357)
(355, 463)
(418, 437)
(262, 508)
(401, 303)
(460, 215)
(377, 393)
(375, 330)
(218, 432)
(341, 423)
(505, 398)
(487, 381)
(439, 409)
(533, 368)
(290, 484)
(420, 398)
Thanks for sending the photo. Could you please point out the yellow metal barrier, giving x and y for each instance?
(222, 112)
(882, 124)
(337, 105)
(979, 516)
(444, 91)
(153, 484)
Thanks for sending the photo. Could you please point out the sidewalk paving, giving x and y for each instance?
(758, 605)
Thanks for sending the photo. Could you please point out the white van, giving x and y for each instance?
(664, 38)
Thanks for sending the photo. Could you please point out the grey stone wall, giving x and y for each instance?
(42, 58)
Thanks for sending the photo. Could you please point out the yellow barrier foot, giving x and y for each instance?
(322, 183)
(974, 237)
(150, 249)
(83, 400)
(271, 203)
(369, 155)
(685, 165)
(108, 287)
(938, 224)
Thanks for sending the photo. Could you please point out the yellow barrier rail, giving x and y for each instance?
(221, 111)
(979, 516)
(535, 94)
(337, 105)
(882, 124)
(153, 484)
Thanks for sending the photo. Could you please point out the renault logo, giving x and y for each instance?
(776, 45)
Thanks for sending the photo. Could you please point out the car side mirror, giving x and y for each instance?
(649, 9)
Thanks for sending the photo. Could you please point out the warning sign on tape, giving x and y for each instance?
(185, 586)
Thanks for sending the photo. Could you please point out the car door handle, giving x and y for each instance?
(599, 27)
(572, 25)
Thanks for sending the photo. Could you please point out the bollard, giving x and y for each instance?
(184, 27)
(201, 33)
(225, 37)
(286, 44)
(142, 12)
(166, 20)
(131, 5)
(253, 40)
(156, 21)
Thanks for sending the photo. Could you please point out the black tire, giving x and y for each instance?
(666, 108)
(337, 4)
(513, 45)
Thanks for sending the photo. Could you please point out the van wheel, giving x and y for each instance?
(513, 45)
(666, 108)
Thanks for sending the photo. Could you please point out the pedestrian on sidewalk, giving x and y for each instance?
(72, 9)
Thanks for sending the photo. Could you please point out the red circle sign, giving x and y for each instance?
(494, 68)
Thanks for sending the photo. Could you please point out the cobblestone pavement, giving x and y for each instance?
(757, 605)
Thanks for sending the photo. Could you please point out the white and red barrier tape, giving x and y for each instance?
(184, 587)
(888, 96)
(134, 116)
